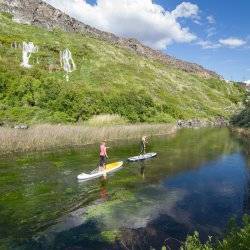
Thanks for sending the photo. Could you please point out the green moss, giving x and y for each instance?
(104, 209)
(110, 236)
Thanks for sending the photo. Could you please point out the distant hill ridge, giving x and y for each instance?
(39, 13)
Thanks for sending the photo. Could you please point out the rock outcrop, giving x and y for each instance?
(21, 126)
(196, 123)
(37, 12)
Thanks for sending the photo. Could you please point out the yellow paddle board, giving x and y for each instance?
(112, 167)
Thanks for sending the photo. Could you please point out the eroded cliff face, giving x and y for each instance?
(37, 12)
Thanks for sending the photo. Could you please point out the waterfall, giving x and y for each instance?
(67, 62)
(28, 49)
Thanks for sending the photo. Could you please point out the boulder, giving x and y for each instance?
(21, 126)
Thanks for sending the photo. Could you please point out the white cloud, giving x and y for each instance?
(140, 19)
(232, 42)
(247, 82)
(186, 9)
(211, 31)
(211, 19)
(229, 42)
(205, 44)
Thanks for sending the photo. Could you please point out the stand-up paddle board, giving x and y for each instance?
(96, 174)
(142, 157)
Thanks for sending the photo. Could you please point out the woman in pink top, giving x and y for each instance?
(103, 156)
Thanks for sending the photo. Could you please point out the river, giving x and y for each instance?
(198, 181)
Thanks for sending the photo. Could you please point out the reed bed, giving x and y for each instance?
(47, 137)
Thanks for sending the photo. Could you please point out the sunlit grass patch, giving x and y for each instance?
(106, 120)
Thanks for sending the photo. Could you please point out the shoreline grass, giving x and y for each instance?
(48, 137)
(241, 131)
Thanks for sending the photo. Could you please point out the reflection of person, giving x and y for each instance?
(143, 145)
(142, 163)
(103, 189)
(103, 156)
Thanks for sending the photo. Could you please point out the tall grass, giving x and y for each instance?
(46, 137)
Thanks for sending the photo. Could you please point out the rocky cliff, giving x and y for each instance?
(36, 12)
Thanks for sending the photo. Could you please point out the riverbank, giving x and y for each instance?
(49, 137)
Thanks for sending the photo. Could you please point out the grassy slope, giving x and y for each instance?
(108, 79)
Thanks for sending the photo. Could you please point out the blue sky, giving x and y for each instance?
(213, 33)
(232, 20)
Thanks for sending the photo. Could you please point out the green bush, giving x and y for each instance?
(243, 118)
(236, 238)
(193, 243)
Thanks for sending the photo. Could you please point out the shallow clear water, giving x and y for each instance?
(199, 181)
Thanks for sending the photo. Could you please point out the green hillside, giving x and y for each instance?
(108, 80)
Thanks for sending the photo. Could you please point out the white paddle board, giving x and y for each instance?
(142, 157)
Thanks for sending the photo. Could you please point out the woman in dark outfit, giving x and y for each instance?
(143, 145)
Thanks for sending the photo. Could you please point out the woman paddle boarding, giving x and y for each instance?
(103, 156)
(143, 145)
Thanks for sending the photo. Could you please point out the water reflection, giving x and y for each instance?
(143, 166)
(103, 188)
(203, 200)
(198, 181)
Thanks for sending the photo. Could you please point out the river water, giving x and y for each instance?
(199, 181)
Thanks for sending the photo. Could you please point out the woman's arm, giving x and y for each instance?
(106, 152)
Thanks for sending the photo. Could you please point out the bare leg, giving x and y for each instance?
(142, 150)
(104, 171)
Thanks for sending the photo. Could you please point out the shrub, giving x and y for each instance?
(193, 243)
(242, 119)
(236, 238)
